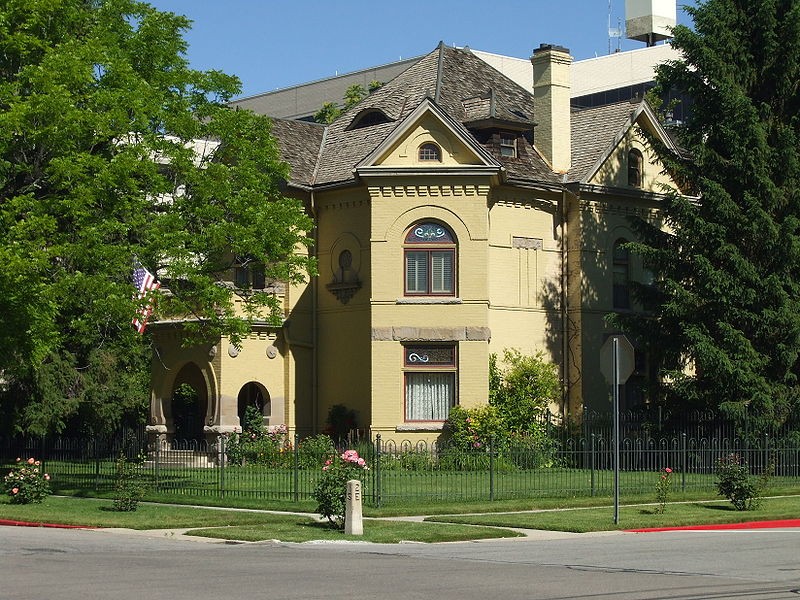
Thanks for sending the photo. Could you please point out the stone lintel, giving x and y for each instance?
(431, 334)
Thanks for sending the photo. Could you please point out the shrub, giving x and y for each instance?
(26, 482)
(663, 486)
(523, 391)
(129, 488)
(737, 485)
(331, 489)
(532, 451)
(262, 446)
(340, 423)
(315, 450)
(475, 428)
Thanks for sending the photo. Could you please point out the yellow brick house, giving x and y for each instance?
(457, 215)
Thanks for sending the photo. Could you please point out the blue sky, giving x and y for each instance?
(272, 44)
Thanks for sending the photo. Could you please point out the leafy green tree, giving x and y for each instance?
(523, 391)
(725, 320)
(113, 150)
(330, 111)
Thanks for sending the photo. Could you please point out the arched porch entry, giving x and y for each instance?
(188, 405)
(254, 396)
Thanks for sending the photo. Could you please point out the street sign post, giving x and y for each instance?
(617, 362)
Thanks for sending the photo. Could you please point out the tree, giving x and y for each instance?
(354, 94)
(523, 391)
(112, 150)
(725, 321)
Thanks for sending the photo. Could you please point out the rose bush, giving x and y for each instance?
(26, 482)
(663, 486)
(331, 488)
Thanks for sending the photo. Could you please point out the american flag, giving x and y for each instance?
(145, 282)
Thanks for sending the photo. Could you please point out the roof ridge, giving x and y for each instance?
(319, 156)
(439, 71)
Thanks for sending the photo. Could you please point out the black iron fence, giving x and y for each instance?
(567, 462)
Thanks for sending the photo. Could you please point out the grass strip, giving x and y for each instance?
(100, 513)
(634, 517)
(233, 525)
(300, 529)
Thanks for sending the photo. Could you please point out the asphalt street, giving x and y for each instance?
(45, 564)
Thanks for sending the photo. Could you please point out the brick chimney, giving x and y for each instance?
(551, 110)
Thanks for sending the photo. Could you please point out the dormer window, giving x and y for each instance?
(368, 118)
(508, 145)
(430, 152)
(635, 163)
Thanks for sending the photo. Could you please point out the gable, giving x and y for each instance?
(613, 171)
(625, 146)
(428, 125)
(428, 130)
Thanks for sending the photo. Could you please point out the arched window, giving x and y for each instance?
(253, 398)
(621, 275)
(635, 164)
(430, 152)
(429, 254)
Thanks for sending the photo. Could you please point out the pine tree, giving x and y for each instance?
(725, 320)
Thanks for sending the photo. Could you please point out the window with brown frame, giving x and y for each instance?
(429, 256)
(508, 145)
(430, 381)
(635, 164)
(621, 273)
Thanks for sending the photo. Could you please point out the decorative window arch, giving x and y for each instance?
(635, 168)
(429, 256)
(429, 152)
(621, 275)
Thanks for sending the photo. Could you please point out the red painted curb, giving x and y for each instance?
(53, 525)
(723, 526)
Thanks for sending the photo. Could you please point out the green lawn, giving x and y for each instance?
(256, 526)
(233, 525)
(635, 517)
(241, 485)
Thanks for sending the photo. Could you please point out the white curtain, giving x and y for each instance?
(429, 396)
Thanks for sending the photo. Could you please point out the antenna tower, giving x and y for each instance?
(615, 32)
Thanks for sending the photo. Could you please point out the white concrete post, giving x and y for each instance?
(353, 515)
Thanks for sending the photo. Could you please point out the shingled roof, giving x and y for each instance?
(594, 130)
(471, 92)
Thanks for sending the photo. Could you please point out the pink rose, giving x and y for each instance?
(14, 490)
(361, 462)
(668, 470)
(31, 461)
(46, 477)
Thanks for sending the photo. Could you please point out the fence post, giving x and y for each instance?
(376, 486)
(684, 460)
(491, 469)
(296, 482)
(592, 459)
(157, 442)
(221, 464)
(95, 453)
